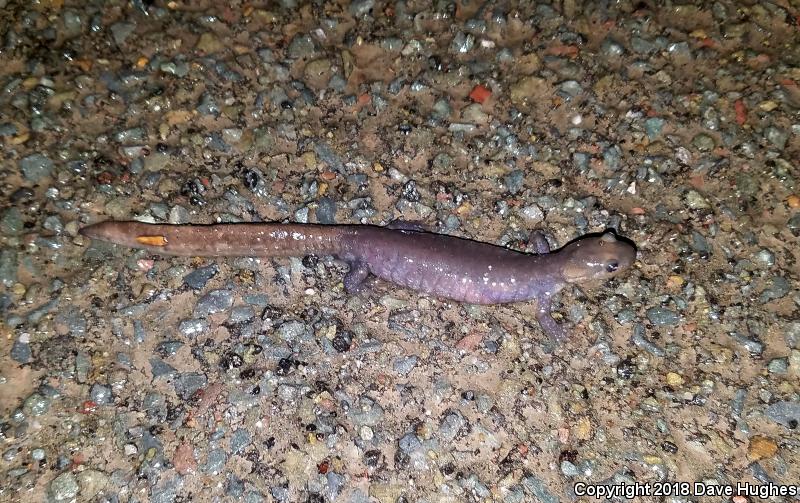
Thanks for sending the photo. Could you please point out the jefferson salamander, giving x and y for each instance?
(437, 264)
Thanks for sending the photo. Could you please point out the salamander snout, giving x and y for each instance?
(596, 258)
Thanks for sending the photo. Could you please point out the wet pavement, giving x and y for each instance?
(127, 376)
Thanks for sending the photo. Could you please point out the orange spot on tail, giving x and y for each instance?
(152, 240)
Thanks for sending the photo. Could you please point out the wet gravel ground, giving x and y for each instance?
(131, 377)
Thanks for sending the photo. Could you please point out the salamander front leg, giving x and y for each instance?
(354, 279)
(546, 321)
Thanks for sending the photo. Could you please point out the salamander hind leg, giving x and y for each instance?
(354, 279)
(548, 324)
(538, 242)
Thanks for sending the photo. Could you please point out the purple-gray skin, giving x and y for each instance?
(405, 254)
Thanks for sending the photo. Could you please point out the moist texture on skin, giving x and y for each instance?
(441, 265)
(223, 240)
(455, 268)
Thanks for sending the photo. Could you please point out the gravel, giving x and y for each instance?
(133, 375)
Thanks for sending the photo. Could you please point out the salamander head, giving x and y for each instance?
(596, 258)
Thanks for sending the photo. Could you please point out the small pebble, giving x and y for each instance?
(64, 487)
(21, 350)
(193, 328)
(35, 167)
(36, 404)
(101, 394)
(703, 142)
(778, 365)
(215, 301)
(405, 365)
(198, 278)
(653, 127)
(661, 316)
(187, 384)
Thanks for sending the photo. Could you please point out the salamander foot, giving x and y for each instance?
(354, 279)
(549, 325)
(539, 242)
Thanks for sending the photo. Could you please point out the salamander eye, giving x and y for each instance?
(612, 266)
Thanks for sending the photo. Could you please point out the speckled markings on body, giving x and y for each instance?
(437, 264)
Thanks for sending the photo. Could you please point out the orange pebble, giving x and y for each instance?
(480, 94)
(793, 201)
(741, 112)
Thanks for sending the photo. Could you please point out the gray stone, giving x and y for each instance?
(301, 46)
(198, 278)
(121, 31)
(64, 487)
(239, 440)
(360, 8)
(570, 88)
(215, 301)
(777, 137)
(653, 127)
(661, 316)
(462, 43)
(514, 180)
(441, 109)
(405, 365)
(451, 425)
(752, 345)
(241, 314)
(155, 404)
(292, 330)
(533, 213)
(569, 469)
(208, 105)
(215, 462)
(8, 266)
(409, 443)
(193, 327)
(703, 142)
(168, 348)
(11, 222)
(101, 394)
(21, 351)
(366, 413)
(778, 287)
(536, 487)
(234, 486)
(178, 215)
(91, 482)
(35, 167)
(160, 368)
(778, 366)
(326, 211)
(187, 384)
(36, 404)
(786, 413)
(328, 156)
(611, 49)
(8, 129)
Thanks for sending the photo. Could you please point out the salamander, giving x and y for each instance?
(406, 254)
